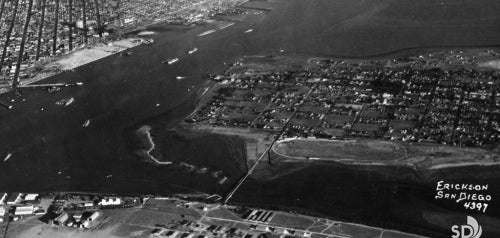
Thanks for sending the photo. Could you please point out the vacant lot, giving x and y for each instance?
(346, 150)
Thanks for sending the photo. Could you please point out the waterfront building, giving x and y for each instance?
(94, 216)
(31, 197)
(24, 210)
(15, 198)
(110, 202)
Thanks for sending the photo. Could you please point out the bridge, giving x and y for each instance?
(276, 138)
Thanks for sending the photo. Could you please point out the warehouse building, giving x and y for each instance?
(24, 210)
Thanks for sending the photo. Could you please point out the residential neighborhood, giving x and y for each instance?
(422, 99)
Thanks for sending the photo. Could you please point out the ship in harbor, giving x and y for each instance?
(86, 123)
(7, 157)
(171, 61)
(207, 32)
(226, 26)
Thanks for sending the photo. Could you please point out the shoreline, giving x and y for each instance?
(78, 58)
(90, 53)
(398, 162)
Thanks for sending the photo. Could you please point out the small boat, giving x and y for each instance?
(87, 123)
(180, 77)
(53, 89)
(222, 180)
(148, 42)
(192, 51)
(109, 176)
(7, 157)
(171, 61)
(207, 32)
(226, 26)
(249, 30)
(69, 102)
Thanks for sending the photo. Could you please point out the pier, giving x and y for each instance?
(51, 85)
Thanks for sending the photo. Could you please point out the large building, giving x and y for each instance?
(24, 210)
(15, 198)
(94, 216)
(61, 219)
(31, 197)
(110, 202)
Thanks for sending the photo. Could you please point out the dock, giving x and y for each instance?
(51, 85)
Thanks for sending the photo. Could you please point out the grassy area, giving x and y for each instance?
(281, 219)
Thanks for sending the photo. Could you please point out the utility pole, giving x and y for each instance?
(15, 81)
(54, 38)
(40, 29)
(9, 32)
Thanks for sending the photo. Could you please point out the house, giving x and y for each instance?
(24, 210)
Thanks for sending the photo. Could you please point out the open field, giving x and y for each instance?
(373, 152)
(340, 150)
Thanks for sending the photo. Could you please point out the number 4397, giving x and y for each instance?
(476, 206)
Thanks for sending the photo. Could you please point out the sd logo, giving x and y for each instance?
(471, 230)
